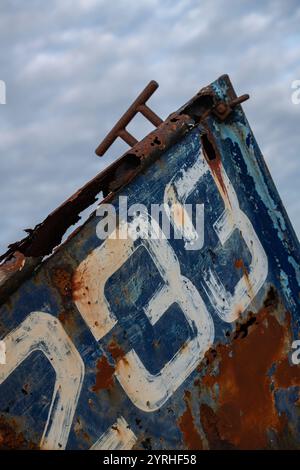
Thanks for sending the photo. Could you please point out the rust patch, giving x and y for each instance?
(77, 286)
(187, 426)
(65, 316)
(62, 279)
(15, 263)
(11, 439)
(115, 350)
(287, 375)
(209, 422)
(104, 375)
(239, 264)
(62, 317)
(245, 404)
(80, 431)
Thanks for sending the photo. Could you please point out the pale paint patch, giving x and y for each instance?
(176, 193)
(118, 437)
(2, 352)
(42, 332)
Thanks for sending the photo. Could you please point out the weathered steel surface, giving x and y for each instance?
(154, 344)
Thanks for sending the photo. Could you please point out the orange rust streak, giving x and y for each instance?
(215, 166)
(187, 426)
(104, 376)
(78, 285)
(239, 263)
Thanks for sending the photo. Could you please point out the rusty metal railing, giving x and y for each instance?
(119, 129)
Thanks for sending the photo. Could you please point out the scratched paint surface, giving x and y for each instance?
(152, 344)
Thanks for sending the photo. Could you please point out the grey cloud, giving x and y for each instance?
(72, 67)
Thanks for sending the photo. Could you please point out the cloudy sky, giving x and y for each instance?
(72, 67)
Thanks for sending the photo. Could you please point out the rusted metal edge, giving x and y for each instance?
(47, 235)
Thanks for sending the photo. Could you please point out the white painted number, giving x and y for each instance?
(42, 332)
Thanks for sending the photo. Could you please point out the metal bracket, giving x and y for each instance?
(222, 109)
(119, 129)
